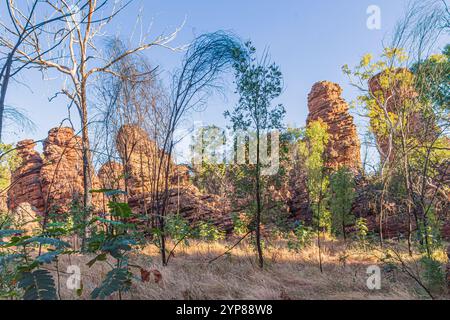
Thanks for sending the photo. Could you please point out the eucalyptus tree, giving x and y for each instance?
(258, 83)
(312, 148)
(407, 104)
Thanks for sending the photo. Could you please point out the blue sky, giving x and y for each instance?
(310, 40)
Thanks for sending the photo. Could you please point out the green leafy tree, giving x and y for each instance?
(114, 238)
(312, 149)
(209, 160)
(433, 80)
(22, 270)
(408, 112)
(342, 187)
(258, 83)
(178, 228)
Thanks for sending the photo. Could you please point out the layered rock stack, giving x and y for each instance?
(192, 205)
(26, 189)
(52, 182)
(62, 173)
(140, 156)
(325, 102)
(110, 176)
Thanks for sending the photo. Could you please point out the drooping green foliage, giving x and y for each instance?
(115, 241)
(21, 272)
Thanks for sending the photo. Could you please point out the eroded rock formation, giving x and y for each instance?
(394, 93)
(193, 205)
(26, 189)
(110, 176)
(140, 156)
(52, 182)
(325, 102)
(62, 173)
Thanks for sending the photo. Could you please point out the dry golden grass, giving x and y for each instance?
(287, 275)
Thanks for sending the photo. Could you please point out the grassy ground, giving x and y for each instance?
(287, 275)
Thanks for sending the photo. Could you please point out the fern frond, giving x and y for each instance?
(116, 280)
(38, 285)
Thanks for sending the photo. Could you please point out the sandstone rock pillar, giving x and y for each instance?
(325, 102)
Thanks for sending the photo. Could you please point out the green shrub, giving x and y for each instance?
(178, 228)
(362, 231)
(433, 274)
(240, 224)
(300, 237)
(209, 232)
